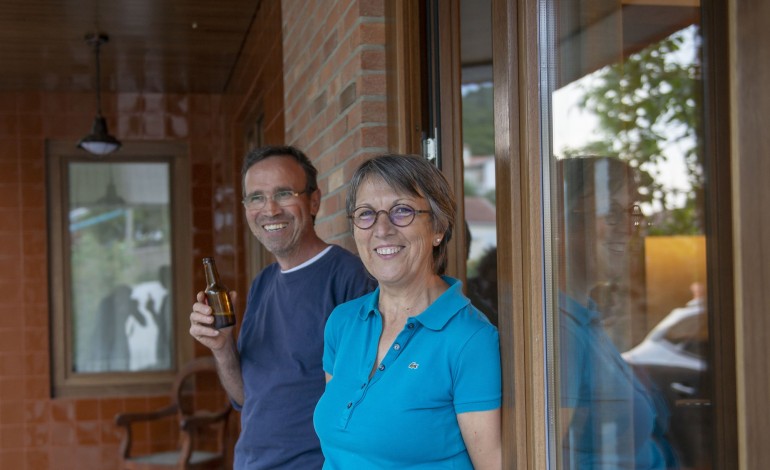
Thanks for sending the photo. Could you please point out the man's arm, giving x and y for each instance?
(222, 345)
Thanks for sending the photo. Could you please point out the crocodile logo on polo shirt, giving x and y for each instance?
(414, 365)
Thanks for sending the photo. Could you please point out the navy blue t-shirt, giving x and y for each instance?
(281, 349)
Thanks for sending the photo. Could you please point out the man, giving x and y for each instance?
(273, 374)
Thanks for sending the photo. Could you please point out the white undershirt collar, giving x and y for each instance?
(310, 261)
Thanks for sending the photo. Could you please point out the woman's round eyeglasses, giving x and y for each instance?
(400, 215)
(282, 198)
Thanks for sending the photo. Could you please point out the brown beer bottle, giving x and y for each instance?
(217, 296)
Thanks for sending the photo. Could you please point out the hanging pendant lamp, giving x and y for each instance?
(99, 141)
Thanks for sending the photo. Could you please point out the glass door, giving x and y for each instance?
(628, 343)
(478, 156)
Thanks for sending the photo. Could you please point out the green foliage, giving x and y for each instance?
(478, 120)
(643, 104)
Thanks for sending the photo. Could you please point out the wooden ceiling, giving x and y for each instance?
(171, 46)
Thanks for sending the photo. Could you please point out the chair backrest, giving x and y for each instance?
(201, 408)
(197, 387)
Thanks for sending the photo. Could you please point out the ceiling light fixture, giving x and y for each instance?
(99, 141)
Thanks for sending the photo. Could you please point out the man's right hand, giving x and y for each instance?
(201, 321)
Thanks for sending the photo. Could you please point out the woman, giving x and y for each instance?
(412, 369)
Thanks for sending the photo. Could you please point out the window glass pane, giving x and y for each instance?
(629, 338)
(119, 257)
(479, 155)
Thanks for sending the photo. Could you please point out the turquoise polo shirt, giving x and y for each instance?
(445, 361)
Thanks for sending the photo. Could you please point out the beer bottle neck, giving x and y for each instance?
(212, 277)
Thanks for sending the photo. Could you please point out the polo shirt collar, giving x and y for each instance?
(437, 315)
(584, 315)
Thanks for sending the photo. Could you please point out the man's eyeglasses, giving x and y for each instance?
(282, 198)
(400, 215)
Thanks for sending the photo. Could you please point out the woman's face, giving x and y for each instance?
(395, 256)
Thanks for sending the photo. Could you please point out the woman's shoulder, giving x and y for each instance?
(352, 308)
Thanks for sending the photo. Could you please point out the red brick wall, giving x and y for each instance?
(37, 432)
(334, 79)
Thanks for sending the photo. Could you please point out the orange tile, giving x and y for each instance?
(11, 436)
(8, 102)
(30, 102)
(36, 343)
(35, 267)
(55, 104)
(36, 356)
(12, 342)
(33, 196)
(35, 315)
(36, 435)
(111, 433)
(9, 126)
(11, 388)
(11, 459)
(33, 219)
(34, 243)
(12, 365)
(9, 149)
(87, 433)
(11, 412)
(37, 411)
(63, 411)
(176, 127)
(62, 434)
(10, 244)
(9, 173)
(33, 171)
(31, 150)
(36, 459)
(130, 103)
(177, 105)
(153, 127)
(154, 103)
(87, 410)
(31, 125)
(109, 407)
(129, 126)
(38, 388)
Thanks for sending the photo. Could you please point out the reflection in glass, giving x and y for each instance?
(479, 156)
(609, 417)
(120, 257)
(629, 344)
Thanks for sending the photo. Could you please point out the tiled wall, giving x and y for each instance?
(36, 431)
(334, 86)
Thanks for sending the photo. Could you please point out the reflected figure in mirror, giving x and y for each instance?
(109, 343)
(609, 418)
(162, 318)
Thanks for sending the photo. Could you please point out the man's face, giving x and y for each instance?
(281, 228)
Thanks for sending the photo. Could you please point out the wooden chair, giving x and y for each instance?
(188, 455)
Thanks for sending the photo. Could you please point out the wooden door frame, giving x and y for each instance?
(408, 101)
(520, 243)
